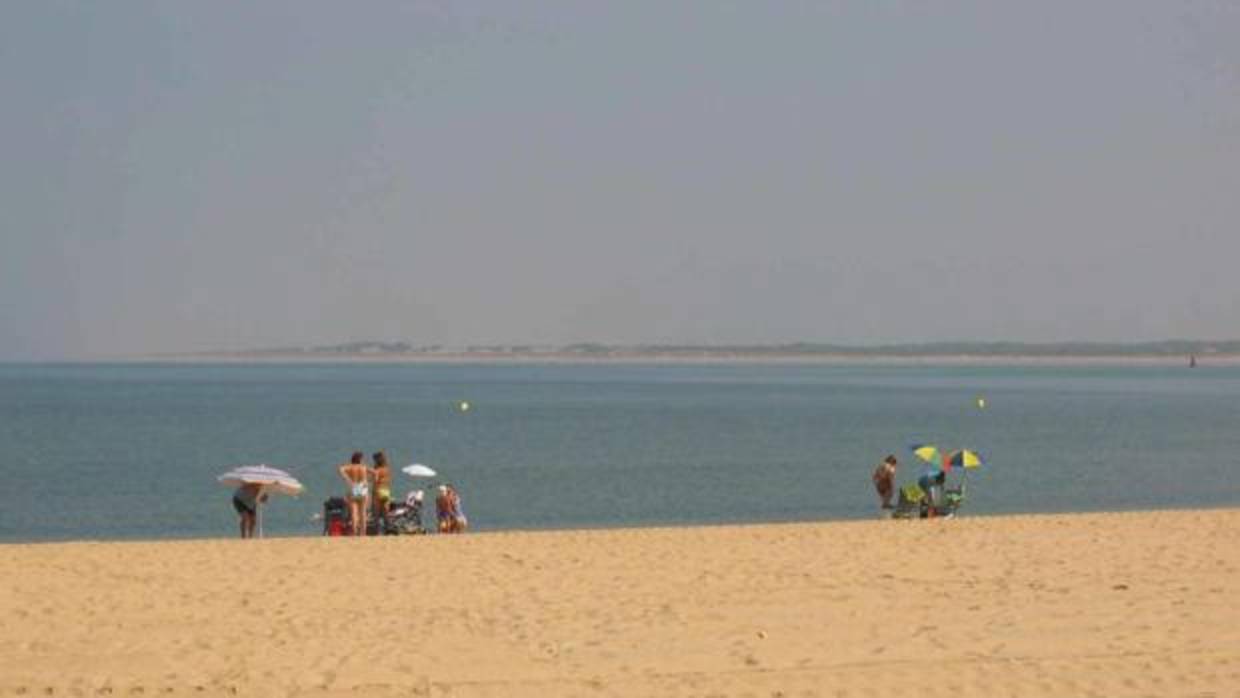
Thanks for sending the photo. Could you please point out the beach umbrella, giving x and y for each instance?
(418, 470)
(267, 478)
(964, 458)
(271, 479)
(928, 452)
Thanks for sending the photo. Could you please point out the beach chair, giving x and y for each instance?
(909, 503)
(953, 497)
(914, 502)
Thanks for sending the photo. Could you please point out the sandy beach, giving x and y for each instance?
(1126, 604)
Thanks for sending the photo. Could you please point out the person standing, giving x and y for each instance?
(245, 500)
(357, 491)
(459, 522)
(383, 486)
(885, 481)
(444, 516)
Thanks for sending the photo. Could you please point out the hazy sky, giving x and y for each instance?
(223, 175)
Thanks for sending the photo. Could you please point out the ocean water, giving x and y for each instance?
(98, 451)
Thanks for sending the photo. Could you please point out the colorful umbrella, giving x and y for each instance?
(928, 452)
(964, 458)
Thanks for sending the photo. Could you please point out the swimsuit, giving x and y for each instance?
(244, 500)
(355, 475)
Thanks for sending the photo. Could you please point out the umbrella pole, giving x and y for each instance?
(258, 510)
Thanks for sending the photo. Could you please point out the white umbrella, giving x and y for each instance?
(418, 470)
(267, 479)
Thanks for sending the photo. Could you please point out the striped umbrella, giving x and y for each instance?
(267, 478)
(270, 478)
(964, 458)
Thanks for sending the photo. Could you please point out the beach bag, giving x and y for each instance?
(335, 516)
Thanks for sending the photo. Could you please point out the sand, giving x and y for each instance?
(1132, 604)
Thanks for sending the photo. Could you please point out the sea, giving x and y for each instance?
(133, 451)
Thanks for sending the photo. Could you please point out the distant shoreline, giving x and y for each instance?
(687, 358)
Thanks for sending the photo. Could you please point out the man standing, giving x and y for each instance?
(885, 481)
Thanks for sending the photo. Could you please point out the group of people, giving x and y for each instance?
(931, 485)
(368, 492)
(368, 495)
(367, 488)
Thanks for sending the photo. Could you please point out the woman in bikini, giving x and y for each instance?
(383, 485)
(357, 477)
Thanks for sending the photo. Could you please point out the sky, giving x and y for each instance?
(179, 176)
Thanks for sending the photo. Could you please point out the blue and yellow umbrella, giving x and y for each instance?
(963, 458)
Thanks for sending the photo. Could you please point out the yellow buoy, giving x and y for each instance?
(464, 406)
(981, 403)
